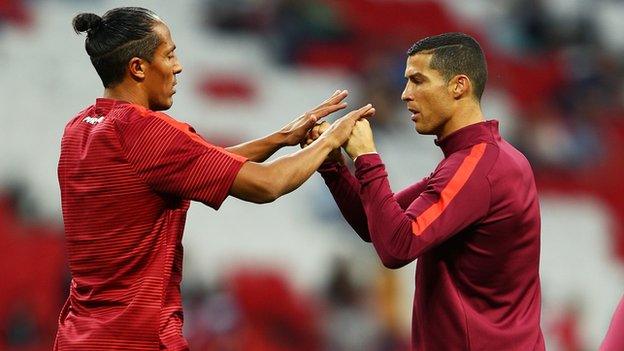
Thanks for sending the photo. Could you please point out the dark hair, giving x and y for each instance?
(453, 54)
(115, 38)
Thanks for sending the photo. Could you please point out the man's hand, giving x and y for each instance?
(315, 133)
(338, 133)
(361, 140)
(295, 132)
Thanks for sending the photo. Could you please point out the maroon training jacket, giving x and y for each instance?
(473, 225)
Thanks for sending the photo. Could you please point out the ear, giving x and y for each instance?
(136, 68)
(460, 86)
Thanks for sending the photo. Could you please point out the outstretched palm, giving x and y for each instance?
(295, 132)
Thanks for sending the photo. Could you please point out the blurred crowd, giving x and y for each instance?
(555, 70)
(555, 81)
(255, 309)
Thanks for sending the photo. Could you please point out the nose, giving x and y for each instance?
(405, 96)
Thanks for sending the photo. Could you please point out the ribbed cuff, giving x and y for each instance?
(368, 153)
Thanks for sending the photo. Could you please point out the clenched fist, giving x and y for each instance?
(361, 140)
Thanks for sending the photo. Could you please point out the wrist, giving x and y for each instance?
(357, 153)
(325, 144)
(278, 139)
(324, 140)
(365, 153)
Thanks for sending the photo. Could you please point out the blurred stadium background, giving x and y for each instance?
(291, 275)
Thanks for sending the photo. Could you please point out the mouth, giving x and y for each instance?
(415, 114)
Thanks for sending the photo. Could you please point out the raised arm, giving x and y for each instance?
(456, 196)
(342, 185)
(266, 182)
(172, 159)
(345, 188)
(291, 134)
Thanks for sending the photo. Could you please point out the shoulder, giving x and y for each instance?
(136, 120)
(479, 157)
(80, 116)
(512, 163)
(158, 128)
(512, 155)
(471, 165)
(131, 113)
(137, 116)
(171, 122)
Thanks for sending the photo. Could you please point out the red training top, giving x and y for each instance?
(614, 340)
(126, 176)
(473, 224)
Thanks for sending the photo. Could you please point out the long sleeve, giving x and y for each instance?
(406, 196)
(345, 189)
(456, 196)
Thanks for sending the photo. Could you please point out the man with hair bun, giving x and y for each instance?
(127, 173)
(473, 223)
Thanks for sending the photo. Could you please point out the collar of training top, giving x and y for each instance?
(104, 105)
(468, 136)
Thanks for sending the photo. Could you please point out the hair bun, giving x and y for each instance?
(86, 22)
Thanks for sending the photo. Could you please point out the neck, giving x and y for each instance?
(126, 93)
(464, 116)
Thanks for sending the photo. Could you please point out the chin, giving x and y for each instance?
(423, 130)
(162, 106)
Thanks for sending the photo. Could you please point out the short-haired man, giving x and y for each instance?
(127, 174)
(473, 223)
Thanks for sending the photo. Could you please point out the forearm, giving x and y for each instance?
(345, 190)
(259, 150)
(290, 171)
(388, 224)
(265, 182)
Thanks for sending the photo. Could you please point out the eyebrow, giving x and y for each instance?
(415, 75)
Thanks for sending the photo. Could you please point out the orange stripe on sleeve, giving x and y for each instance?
(454, 186)
(185, 128)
